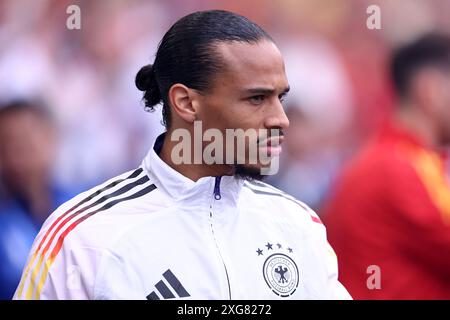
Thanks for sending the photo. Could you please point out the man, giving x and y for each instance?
(193, 229)
(27, 191)
(389, 220)
(27, 153)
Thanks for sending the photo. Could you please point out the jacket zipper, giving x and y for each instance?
(218, 196)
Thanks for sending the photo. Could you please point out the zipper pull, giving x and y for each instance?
(217, 194)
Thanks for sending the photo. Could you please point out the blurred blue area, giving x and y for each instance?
(17, 232)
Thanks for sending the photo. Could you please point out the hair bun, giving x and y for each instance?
(145, 77)
(146, 81)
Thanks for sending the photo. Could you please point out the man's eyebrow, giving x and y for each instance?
(286, 90)
(267, 91)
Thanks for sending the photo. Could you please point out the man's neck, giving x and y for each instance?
(191, 171)
(413, 121)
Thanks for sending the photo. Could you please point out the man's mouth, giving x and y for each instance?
(272, 146)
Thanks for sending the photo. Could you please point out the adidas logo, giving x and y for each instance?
(162, 289)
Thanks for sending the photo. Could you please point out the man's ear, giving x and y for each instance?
(181, 100)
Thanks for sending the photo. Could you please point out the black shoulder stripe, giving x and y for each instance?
(135, 173)
(116, 193)
(111, 204)
(138, 194)
(260, 184)
(271, 192)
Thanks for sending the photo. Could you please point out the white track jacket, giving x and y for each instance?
(154, 234)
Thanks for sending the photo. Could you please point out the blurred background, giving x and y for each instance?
(74, 117)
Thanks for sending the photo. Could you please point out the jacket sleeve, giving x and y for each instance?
(334, 289)
(67, 276)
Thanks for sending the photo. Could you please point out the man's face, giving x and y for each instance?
(443, 115)
(27, 147)
(248, 94)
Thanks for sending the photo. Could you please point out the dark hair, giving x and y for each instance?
(186, 55)
(430, 50)
(38, 108)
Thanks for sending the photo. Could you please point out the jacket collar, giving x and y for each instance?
(180, 187)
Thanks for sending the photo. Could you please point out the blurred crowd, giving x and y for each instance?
(73, 117)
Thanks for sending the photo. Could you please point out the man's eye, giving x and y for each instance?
(282, 97)
(257, 99)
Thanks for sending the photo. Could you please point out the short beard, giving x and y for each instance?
(248, 172)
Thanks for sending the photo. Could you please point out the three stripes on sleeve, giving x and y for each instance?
(44, 255)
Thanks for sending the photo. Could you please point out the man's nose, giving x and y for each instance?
(277, 118)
